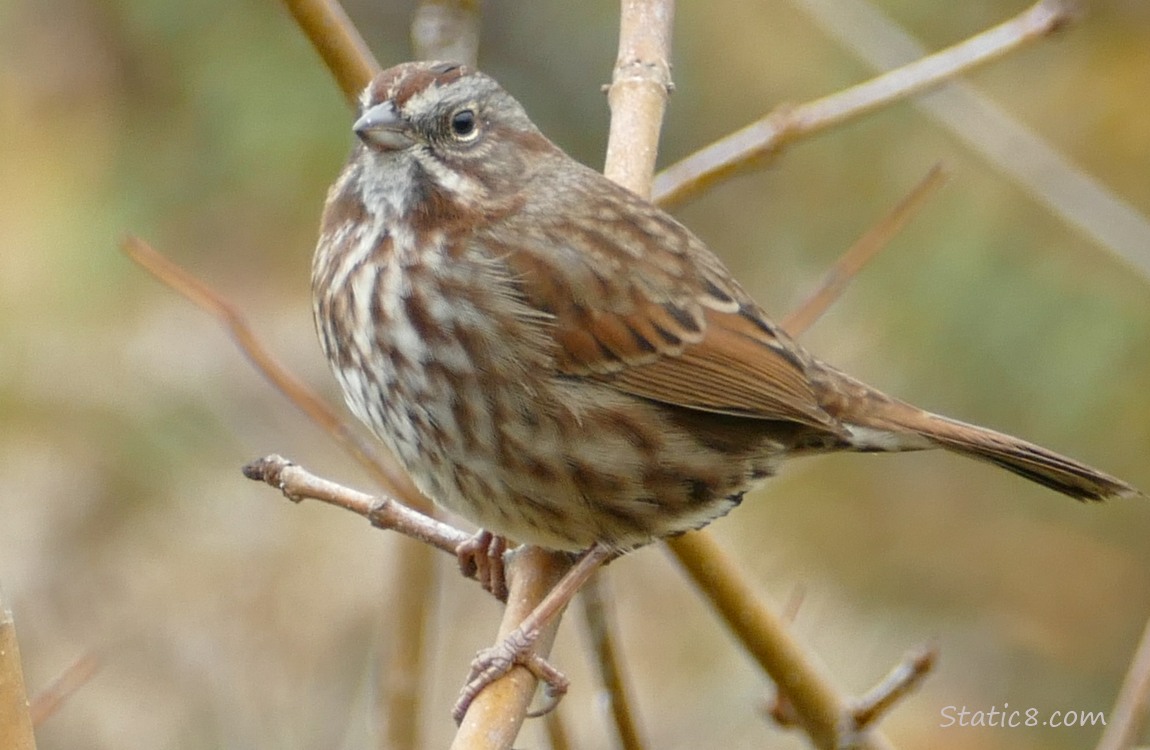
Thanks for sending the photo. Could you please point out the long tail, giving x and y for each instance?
(888, 424)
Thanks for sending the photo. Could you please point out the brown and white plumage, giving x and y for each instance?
(558, 360)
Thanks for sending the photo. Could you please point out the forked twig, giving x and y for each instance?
(818, 708)
(748, 147)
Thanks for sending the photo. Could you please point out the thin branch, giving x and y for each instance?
(1128, 717)
(297, 483)
(902, 680)
(337, 41)
(860, 253)
(1005, 143)
(600, 628)
(749, 147)
(390, 477)
(15, 721)
(446, 30)
(47, 701)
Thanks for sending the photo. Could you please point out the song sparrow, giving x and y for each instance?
(558, 360)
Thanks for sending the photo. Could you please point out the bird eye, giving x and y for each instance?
(463, 125)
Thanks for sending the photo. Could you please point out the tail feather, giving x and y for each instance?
(1028, 460)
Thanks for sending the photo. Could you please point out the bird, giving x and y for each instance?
(558, 360)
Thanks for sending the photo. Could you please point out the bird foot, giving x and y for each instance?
(517, 649)
(481, 558)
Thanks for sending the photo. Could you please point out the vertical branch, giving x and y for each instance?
(638, 96)
(496, 715)
(15, 722)
(638, 92)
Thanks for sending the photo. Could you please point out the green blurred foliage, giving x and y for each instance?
(228, 618)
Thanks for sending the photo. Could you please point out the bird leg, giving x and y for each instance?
(518, 648)
(481, 558)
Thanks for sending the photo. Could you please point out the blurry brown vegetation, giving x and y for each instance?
(226, 619)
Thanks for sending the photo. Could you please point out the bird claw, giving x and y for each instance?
(481, 558)
(517, 649)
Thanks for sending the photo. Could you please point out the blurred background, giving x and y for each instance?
(226, 617)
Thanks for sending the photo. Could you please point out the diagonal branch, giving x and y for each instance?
(335, 38)
(749, 147)
(860, 253)
(1006, 144)
(1131, 709)
(390, 477)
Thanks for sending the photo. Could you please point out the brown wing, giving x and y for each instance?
(639, 302)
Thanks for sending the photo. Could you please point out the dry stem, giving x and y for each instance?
(15, 720)
(1128, 717)
(600, 629)
(297, 483)
(860, 253)
(749, 147)
(393, 480)
(338, 42)
(48, 701)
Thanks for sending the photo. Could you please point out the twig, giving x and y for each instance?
(902, 680)
(15, 721)
(748, 147)
(861, 253)
(1128, 717)
(390, 477)
(296, 483)
(1002, 140)
(600, 629)
(495, 716)
(46, 702)
(446, 30)
(337, 41)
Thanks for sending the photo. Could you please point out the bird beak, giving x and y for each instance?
(384, 127)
